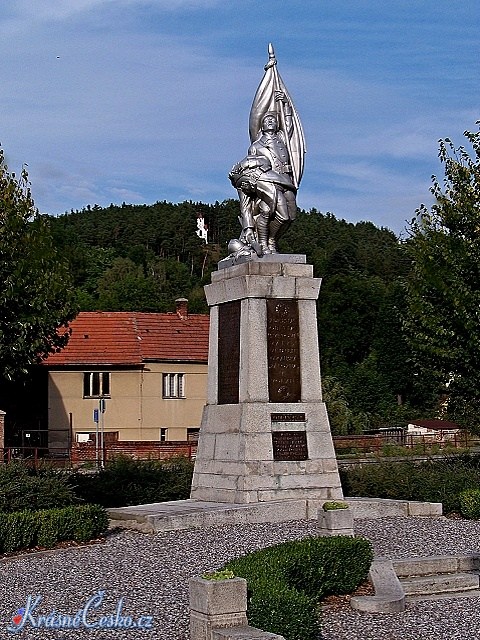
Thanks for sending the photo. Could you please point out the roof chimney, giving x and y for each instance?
(182, 308)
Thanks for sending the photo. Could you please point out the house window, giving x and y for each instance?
(163, 434)
(192, 434)
(173, 385)
(96, 384)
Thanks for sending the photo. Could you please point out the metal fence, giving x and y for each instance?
(403, 443)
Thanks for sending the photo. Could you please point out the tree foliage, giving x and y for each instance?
(35, 292)
(141, 258)
(444, 286)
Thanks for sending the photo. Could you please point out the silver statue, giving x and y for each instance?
(267, 179)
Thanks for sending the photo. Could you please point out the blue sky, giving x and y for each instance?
(138, 101)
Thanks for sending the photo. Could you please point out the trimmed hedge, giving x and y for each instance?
(287, 581)
(44, 528)
(430, 481)
(126, 481)
(470, 504)
(26, 488)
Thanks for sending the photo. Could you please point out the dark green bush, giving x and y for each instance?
(27, 488)
(430, 481)
(126, 481)
(470, 504)
(27, 529)
(326, 566)
(286, 581)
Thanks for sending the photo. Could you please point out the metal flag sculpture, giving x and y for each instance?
(267, 178)
(265, 102)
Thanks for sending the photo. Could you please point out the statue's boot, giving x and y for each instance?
(262, 233)
(276, 229)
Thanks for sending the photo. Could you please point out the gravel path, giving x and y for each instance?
(151, 573)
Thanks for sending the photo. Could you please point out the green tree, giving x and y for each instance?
(444, 287)
(36, 294)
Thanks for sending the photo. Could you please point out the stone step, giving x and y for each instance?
(440, 583)
(436, 564)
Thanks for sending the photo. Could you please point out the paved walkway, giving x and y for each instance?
(151, 573)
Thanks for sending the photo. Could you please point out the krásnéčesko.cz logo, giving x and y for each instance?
(88, 617)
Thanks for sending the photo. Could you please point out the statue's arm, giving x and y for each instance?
(287, 112)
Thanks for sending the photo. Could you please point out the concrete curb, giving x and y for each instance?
(188, 514)
(384, 508)
(389, 595)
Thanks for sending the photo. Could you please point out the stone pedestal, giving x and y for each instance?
(265, 434)
(338, 522)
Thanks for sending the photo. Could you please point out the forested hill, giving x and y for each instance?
(143, 257)
(157, 247)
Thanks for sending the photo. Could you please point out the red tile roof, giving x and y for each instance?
(434, 423)
(131, 338)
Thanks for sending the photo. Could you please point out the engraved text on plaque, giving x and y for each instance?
(289, 445)
(228, 352)
(283, 348)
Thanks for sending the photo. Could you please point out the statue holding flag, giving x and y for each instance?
(267, 179)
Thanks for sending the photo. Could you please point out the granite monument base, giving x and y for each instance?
(265, 434)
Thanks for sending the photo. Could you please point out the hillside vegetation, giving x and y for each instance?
(141, 258)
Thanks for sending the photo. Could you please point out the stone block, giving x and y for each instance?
(297, 270)
(260, 468)
(258, 286)
(292, 494)
(260, 482)
(314, 466)
(336, 522)
(320, 445)
(229, 446)
(206, 446)
(202, 626)
(215, 293)
(425, 566)
(330, 465)
(244, 633)
(281, 511)
(424, 508)
(283, 287)
(302, 481)
(307, 288)
(235, 288)
(377, 507)
(469, 563)
(223, 418)
(258, 446)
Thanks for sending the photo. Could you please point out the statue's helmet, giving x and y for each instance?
(236, 245)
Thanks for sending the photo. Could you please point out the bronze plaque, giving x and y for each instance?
(228, 352)
(287, 417)
(289, 445)
(283, 349)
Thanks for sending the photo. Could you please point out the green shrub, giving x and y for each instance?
(429, 481)
(27, 529)
(286, 581)
(470, 504)
(126, 481)
(26, 488)
(333, 505)
(330, 565)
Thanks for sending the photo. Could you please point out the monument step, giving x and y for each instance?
(440, 583)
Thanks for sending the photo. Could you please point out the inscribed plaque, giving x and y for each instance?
(229, 352)
(283, 349)
(289, 445)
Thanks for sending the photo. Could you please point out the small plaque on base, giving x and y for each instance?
(289, 445)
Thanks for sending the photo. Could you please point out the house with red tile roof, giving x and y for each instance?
(142, 376)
